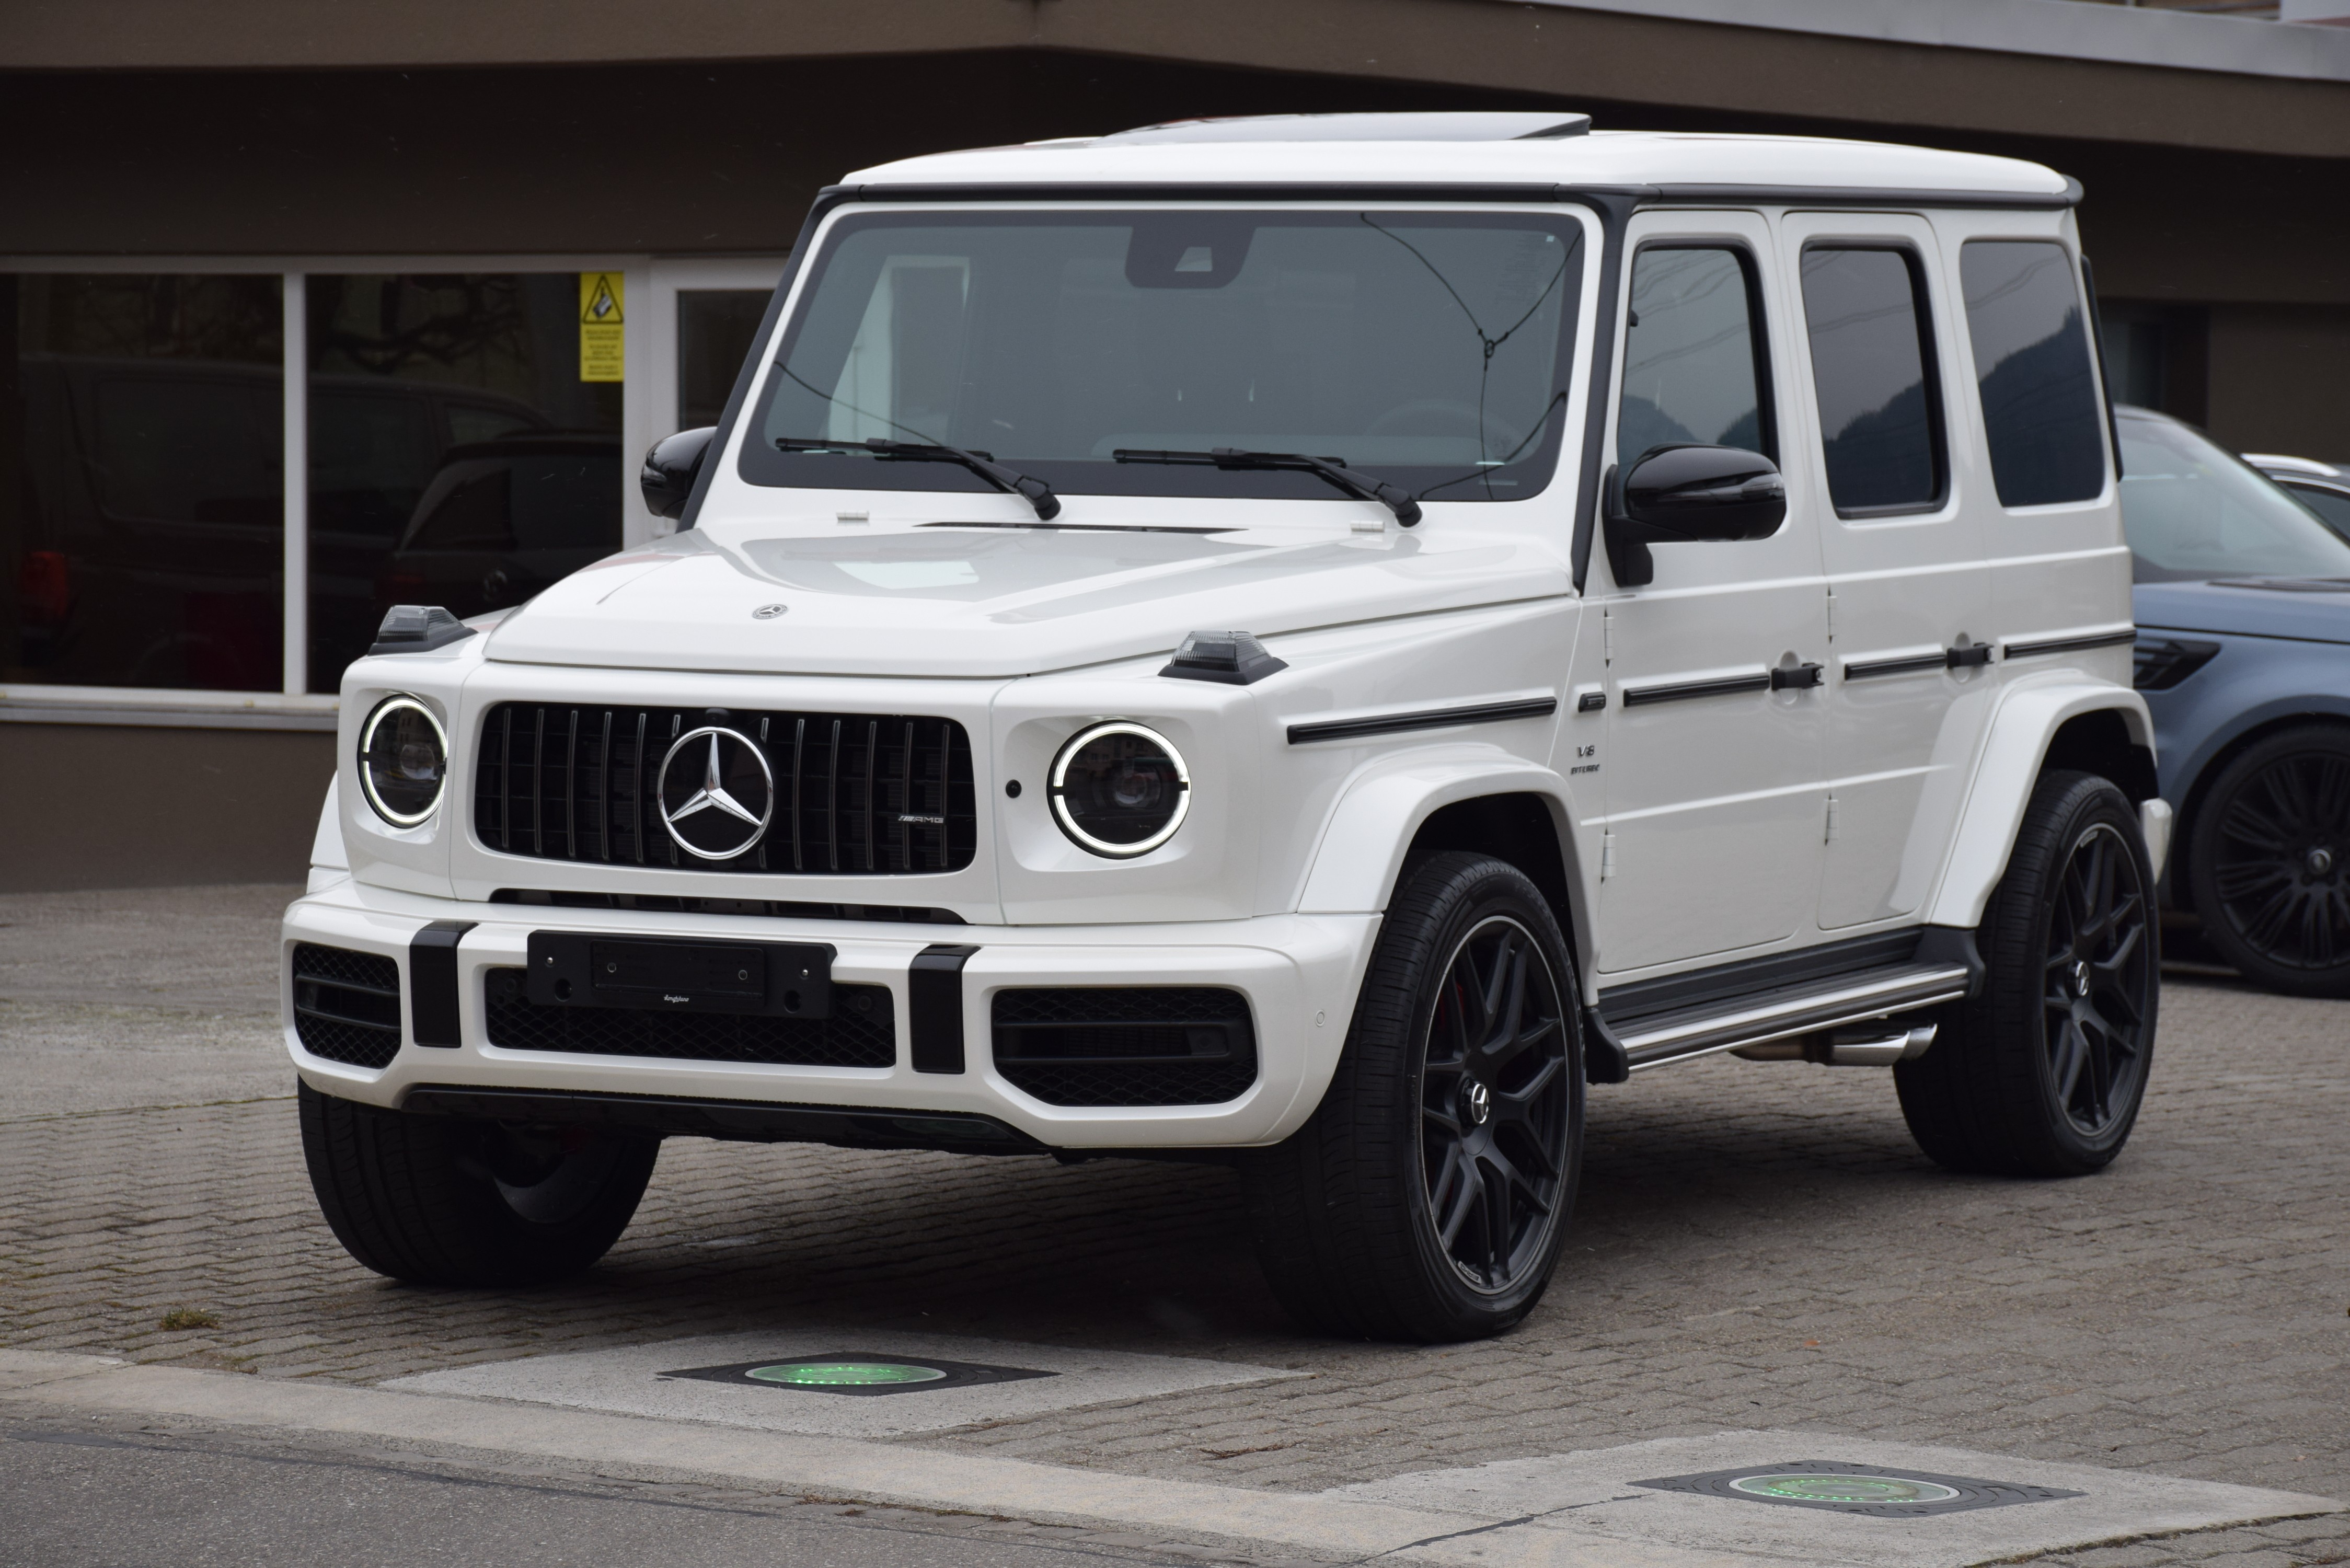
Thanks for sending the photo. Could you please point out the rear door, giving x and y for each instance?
(1713, 783)
(1901, 536)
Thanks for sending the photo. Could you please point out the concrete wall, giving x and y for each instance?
(125, 807)
(2281, 378)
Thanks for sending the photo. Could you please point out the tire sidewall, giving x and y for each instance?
(2202, 867)
(2086, 803)
(1477, 891)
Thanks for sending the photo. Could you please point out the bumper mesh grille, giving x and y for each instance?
(855, 794)
(347, 1006)
(1125, 1045)
(861, 1033)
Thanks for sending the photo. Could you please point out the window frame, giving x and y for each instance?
(1758, 333)
(1930, 370)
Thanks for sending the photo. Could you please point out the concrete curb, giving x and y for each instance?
(828, 1467)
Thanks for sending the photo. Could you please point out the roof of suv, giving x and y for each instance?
(1482, 149)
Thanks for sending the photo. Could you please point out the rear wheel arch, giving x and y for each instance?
(2100, 742)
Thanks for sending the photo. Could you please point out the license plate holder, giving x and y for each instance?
(664, 974)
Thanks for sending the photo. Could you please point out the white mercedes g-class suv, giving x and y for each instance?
(1300, 642)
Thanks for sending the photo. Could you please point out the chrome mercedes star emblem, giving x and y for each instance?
(1481, 1103)
(722, 813)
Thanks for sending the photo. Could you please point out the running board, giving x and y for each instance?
(1827, 1001)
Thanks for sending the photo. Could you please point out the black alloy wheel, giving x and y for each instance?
(1495, 1106)
(2041, 1071)
(2099, 972)
(1428, 1197)
(2269, 868)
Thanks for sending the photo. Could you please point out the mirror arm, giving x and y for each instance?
(1628, 559)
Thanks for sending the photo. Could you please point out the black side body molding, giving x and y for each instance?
(2069, 644)
(1424, 719)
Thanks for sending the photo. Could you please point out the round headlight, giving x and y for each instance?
(404, 761)
(1119, 789)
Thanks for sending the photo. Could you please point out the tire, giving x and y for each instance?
(1428, 1197)
(2269, 865)
(2043, 1071)
(441, 1201)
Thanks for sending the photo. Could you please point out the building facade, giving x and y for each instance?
(306, 311)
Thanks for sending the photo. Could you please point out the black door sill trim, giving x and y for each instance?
(2069, 644)
(1682, 692)
(1424, 719)
(741, 1121)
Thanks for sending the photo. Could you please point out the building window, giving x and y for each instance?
(714, 330)
(1872, 364)
(141, 480)
(460, 454)
(2040, 408)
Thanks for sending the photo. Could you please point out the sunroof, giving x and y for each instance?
(1507, 125)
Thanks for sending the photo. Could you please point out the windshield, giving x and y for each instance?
(2192, 511)
(1426, 349)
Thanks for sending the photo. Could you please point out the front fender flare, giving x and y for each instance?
(1360, 855)
(2027, 718)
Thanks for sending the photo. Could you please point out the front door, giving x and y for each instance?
(1715, 805)
(1909, 615)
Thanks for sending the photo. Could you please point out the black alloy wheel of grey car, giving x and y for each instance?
(2041, 1072)
(1428, 1197)
(443, 1200)
(2268, 861)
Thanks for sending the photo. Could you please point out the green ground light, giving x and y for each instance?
(837, 1374)
(1842, 1488)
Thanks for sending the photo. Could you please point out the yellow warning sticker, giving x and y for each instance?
(602, 357)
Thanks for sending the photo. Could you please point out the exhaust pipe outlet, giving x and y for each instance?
(1878, 1047)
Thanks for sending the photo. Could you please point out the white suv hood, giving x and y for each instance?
(992, 602)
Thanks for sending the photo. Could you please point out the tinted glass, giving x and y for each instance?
(715, 327)
(2192, 511)
(1688, 355)
(1866, 313)
(2040, 404)
(426, 391)
(141, 481)
(2333, 505)
(1425, 348)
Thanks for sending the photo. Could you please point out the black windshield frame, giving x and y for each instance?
(1524, 472)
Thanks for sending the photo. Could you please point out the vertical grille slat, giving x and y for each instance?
(892, 793)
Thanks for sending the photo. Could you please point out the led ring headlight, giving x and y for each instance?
(404, 761)
(1119, 789)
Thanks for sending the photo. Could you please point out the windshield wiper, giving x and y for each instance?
(1036, 491)
(1361, 486)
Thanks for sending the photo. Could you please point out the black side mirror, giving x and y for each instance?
(1678, 494)
(670, 467)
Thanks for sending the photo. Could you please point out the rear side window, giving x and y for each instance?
(1692, 368)
(2031, 366)
(1866, 310)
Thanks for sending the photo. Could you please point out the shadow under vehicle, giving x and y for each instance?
(2243, 657)
(152, 550)
(503, 519)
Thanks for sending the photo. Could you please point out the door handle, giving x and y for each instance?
(1797, 677)
(1967, 658)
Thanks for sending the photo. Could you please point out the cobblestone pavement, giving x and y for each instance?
(1756, 1245)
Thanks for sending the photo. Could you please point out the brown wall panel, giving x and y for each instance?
(2279, 380)
(121, 806)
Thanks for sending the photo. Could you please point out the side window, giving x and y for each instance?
(1880, 420)
(1691, 361)
(2031, 367)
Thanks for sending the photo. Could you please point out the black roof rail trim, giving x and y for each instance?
(1862, 196)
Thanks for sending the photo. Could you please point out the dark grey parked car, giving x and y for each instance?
(2243, 655)
(2322, 487)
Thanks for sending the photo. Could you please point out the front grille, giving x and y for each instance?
(861, 1033)
(1125, 1045)
(855, 794)
(347, 1006)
